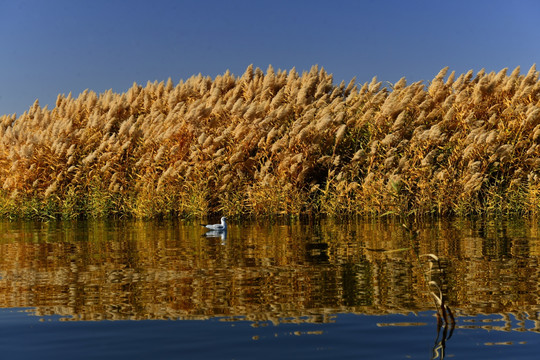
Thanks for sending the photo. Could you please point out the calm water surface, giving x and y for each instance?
(322, 290)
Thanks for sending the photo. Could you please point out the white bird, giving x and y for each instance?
(218, 227)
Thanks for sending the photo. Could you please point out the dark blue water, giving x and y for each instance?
(348, 336)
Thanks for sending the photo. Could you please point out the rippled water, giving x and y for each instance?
(323, 290)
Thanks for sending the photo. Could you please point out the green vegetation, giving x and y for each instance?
(279, 143)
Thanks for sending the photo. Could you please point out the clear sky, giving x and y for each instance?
(61, 46)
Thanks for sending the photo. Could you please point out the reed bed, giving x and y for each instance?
(270, 143)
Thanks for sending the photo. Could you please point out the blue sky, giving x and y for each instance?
(61, 46)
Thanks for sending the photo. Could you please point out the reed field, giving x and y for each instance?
(279, 143)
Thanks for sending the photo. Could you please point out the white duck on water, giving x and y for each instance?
(218, 227)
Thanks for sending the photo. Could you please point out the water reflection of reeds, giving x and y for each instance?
(94, 271)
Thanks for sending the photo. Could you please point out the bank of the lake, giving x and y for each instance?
(279, 142)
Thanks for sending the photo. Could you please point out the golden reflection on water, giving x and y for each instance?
(278, 273)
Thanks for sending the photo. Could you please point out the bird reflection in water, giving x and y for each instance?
(217, 234)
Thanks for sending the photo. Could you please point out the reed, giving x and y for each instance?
(279, 142)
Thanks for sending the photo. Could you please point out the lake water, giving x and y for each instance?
(317, 290)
